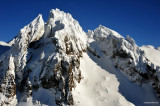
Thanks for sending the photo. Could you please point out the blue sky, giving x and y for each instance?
(138, 18)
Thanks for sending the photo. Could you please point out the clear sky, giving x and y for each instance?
(138, 18)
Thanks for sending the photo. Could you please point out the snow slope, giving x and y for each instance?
(98, 87)
(132, 92)
(152, 54)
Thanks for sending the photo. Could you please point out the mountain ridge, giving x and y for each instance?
(59, 60)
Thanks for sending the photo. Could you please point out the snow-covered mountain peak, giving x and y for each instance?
(57, 63)
(108, 39)
(30, 33)
(45, 53)
(139, 64)
(59, 20)
(104, 31)
(34, 30)
(56, 15)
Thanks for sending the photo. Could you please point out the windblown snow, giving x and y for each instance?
(57, 64)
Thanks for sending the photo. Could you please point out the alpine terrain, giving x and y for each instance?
(56, 63)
